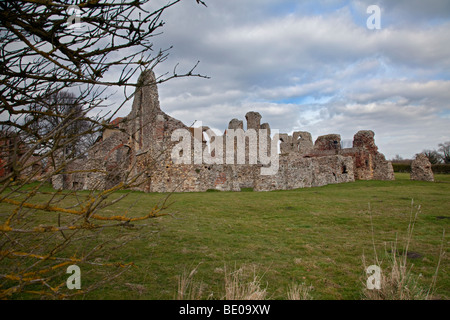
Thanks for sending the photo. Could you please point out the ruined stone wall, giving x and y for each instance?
(106, 165)
(139, 153)
(299, 172)
(369, 164)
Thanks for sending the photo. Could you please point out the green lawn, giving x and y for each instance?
(315, 236)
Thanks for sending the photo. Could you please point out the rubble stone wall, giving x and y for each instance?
(139, 154)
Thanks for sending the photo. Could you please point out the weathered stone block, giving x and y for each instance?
(253, 120)
(365, 139)
(328, 142)
(302, 141)
(421, 169)
(236, 124)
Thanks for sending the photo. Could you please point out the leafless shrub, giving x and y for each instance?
(52, 90)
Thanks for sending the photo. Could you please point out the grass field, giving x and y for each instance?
(315, 236)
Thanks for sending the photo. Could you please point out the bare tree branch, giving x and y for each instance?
(53, 80)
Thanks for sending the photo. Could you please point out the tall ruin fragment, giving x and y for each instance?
(421, 168)
(139, 153)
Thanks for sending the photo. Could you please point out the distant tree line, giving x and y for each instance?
(406, 168)
(439, 156)
(442, 155)
(439, 159)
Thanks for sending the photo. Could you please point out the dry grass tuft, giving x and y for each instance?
(298, 291)
(187, 288)
(397, 281)
(240, 286)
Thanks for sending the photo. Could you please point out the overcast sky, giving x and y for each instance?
(314, 66)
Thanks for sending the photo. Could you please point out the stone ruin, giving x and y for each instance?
(421, 168)
(138, 151)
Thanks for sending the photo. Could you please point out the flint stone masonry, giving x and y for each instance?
(421, 169)
(299, 142)
(298, 172)
(328, 142)
(365, 139)
(138, 152)
(236, 124)
(253, 120)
